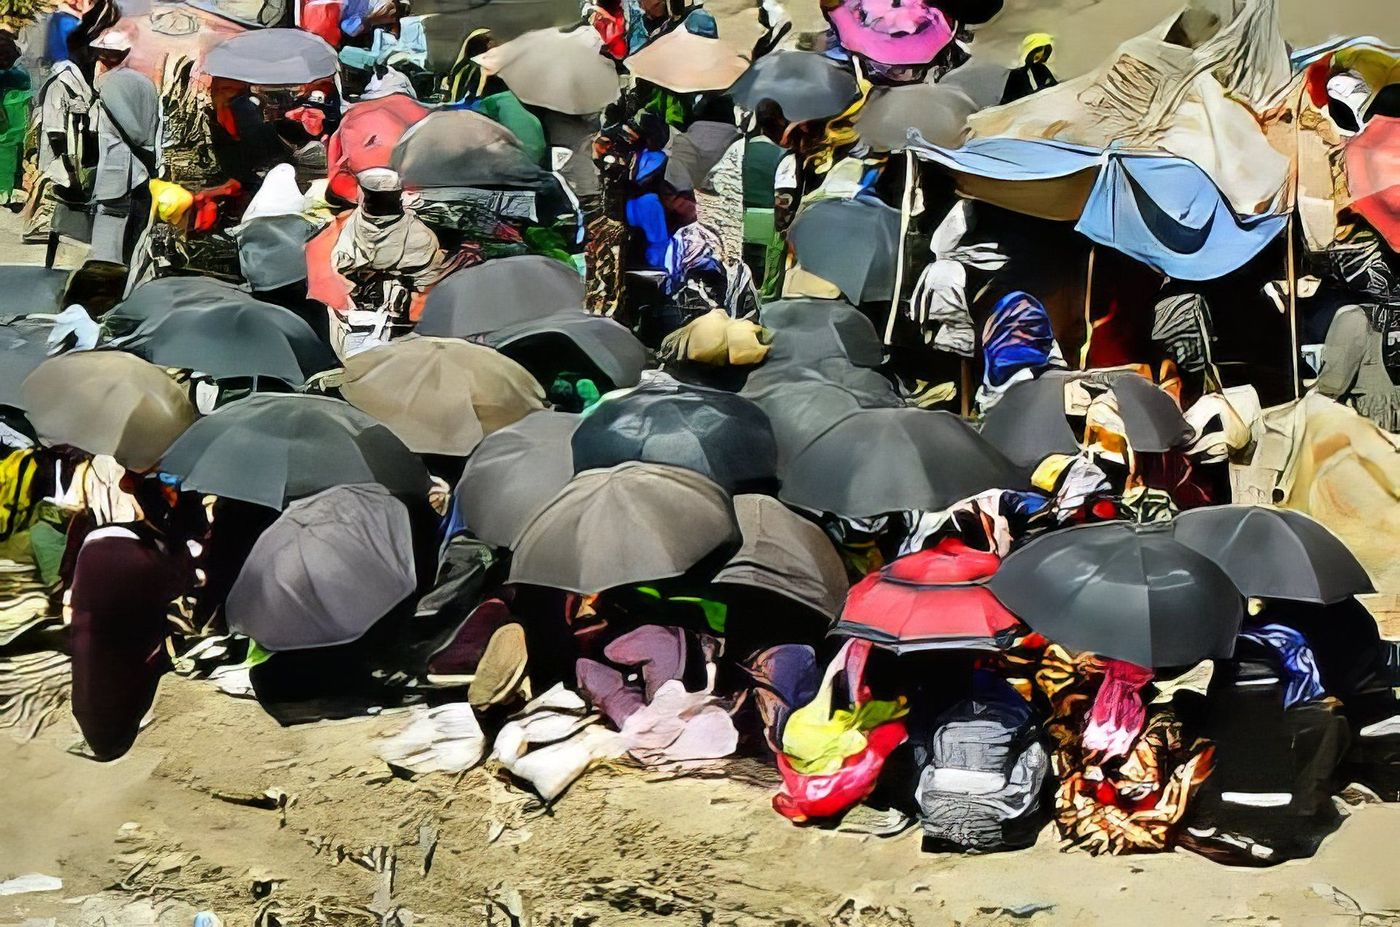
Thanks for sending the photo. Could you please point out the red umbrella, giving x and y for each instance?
(1373, 175)
(930, 600)
(366, 138)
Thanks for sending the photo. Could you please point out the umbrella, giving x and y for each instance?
(691, 58)
(877, 461)
(574, 341)
(1028, 423)
(366, 137)
(243, 338)
(513, 473)
(931, 600)
(1373, 176)
(107, 402)
(272, 56)
(460, 148)
(971, 12)
(440, 395)
(330, 567)
(984, 83)
(635, 523)
(785, 553)
(911, 32)
(938, 112)
(811, 333)
(447, 23)
(156, 299)
(720, 435)
(1274, 553)
(853, 244)
(24, 346)
(556, 70)
(271, 449)
(1123, 591)
(694, 153)
(35, 288)
(1152, 420)
(805, 84)
(495, 294)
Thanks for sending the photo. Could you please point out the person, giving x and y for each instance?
(1034, 73)
(128, 120)
(466, 81)
(1017, 344)
(63, 21)
(385, 251)
(271, 243)
(64, 102)
(15, 97)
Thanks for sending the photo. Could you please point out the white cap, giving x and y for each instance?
(112, 40)
(380, 180)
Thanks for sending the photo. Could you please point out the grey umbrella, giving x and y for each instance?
(1124, 591)
(495, 294)
(31, 288)
(938, 112)
(330, 567)
(448, 22)
(272, 56)
(785, 553)
(1028, 423)
(985, 84)
(695, 152)
(1151, 418)
(852, 244)
(805, 84)
(634, 523)
(273, 449)
(23, 347)
(243, 337)
(460, 148)
(877, 461)
(1274, 553)
(574, 341)
(513, 473)
(723, 436)
(158, 298)
(807, 332)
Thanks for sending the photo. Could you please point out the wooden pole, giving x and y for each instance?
(1294, 347)
(906, 205)
(1088, 308)
(965, 386)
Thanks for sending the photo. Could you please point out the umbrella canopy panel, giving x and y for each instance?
(495, 294)
(805, 85)
(272, 57)
(460, 148)
(785, 553)
(513, 473)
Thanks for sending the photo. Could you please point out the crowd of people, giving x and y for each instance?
(1014, 453)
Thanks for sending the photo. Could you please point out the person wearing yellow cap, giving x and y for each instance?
(1034, 73)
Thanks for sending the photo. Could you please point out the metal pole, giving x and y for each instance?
(906, 206)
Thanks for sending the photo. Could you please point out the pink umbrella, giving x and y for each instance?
(1373, 176)
(890, 33)
(366, 138)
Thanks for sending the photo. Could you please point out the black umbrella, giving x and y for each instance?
(1274, 553)
(271, 449)
(717, 434)
(805, 84)
(329, 568)
(1124, 591)
(938, 112)
(807, 332)
(852, 244)
(460, 148)
(877, 461)
(574, 341)
(23, 347)
(513, 473)
(496, 294)
(447, 23)
(158, 298)
(272, 56)
(984, 84)
(32, 288)
(1152, 420)
(241, 337)
(1028, 423)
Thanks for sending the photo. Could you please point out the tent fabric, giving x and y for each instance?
(635, 523)
(459, 148)
(272, 449)
(1166, 91)
(366, 137)
(1159, 209)
(562, 71)
(330, 567)
(496, 294)
(272, 56)
(785, 553)
(513, 473)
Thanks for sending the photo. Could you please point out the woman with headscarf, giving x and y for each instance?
(467, 81)
(1034, 73)
(1017, 344)
(128, 121)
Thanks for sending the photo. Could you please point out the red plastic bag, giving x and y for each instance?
(805, 797)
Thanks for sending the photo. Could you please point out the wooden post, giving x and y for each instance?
(1088, 308)
(1294, 347)
(906, 206)
(965, 386)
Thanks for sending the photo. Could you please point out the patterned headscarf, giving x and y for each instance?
(1018, 337)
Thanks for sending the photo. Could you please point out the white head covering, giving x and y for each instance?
(278, 196)
(112, 40)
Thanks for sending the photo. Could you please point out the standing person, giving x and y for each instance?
(128, 121)
(1034, 73)
(64, 103)
(15, 97)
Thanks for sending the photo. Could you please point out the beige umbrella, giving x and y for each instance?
(691, 58)
(107, 402)
(560, 71)
(440, 395)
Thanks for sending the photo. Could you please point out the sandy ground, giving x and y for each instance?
(159, 835)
